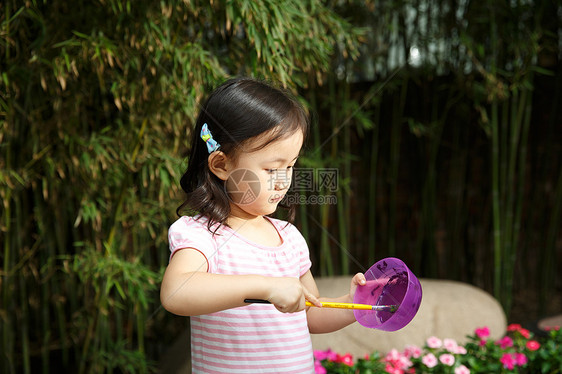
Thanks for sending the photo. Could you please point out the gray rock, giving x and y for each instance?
(550, 322)
(449, 309)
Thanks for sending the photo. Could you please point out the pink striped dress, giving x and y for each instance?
(255, 338)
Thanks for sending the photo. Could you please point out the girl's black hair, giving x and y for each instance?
(238, 110)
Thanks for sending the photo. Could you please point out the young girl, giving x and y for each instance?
(247, 139)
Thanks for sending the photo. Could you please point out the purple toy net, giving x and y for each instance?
(389, 282)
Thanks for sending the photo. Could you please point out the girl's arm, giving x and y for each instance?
(187, 289)
(323, 320)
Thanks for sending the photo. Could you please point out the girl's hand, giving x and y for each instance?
(357, 280)
(289, 295)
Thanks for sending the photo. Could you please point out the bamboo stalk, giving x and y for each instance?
(547, 275)
(395, 139)
(140, 317)
(61, 235)
(497, 228)
(7, 347)
(326, 264)
(372, 209)
(513, 191)
(103, 334)
(45, 292)
(326, 256)
(118, 313)
(496, 187)
(24, 325)
(23, 294)
(430, 202)
(458, 184)
(526, 118)
(46, 328)
(7, 340)
(89, 336)
(343, 198)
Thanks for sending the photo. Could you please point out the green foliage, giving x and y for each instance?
(97, 102)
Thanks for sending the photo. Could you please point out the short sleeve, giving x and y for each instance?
(299, 244)
(188, 232)
(305, 263)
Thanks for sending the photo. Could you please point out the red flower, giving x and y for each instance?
(533, 345)
(526, 334)
(514, 327)
(482, 332)
(346, 359)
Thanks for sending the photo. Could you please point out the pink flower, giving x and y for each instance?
(507, 361)
(482, 332)
(450, 345)
(447, 359)
(433, 342)
(533, 345)
(460, 350)
(429, 360)
(319, 355)
(318, 368)
(505, 342)
(327, 354)
(396, 360)
(520, 359)
(510, 360)
(462, 370)
(393, 370)
(346, 359)
(393, 355)
(405, 362)
(412, 351)
(331, 355)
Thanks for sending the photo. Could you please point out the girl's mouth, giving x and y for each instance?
(276, 198)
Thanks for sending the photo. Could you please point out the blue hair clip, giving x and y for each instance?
(212, 144)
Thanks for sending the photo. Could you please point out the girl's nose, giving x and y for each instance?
(280, 185)
(282, 181)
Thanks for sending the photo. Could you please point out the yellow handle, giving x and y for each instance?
(343, 305)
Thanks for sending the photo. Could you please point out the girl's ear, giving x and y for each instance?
(219, 165)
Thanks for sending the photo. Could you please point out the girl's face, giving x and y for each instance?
(259, 180)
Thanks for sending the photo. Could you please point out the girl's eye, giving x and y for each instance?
(273, 171)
